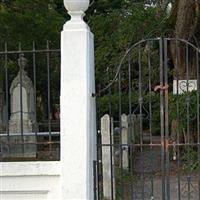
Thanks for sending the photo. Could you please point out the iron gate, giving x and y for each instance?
(148, 124)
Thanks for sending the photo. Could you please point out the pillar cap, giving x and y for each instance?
(76, 5)
(76, 9)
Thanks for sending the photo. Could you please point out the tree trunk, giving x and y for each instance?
(186, 19)
(186, 22)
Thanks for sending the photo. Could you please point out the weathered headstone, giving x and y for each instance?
(23, 88)
(22, 119)
(134, 127)
(124, 132)
(107, 154)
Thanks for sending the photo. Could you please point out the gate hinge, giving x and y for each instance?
(161, 87)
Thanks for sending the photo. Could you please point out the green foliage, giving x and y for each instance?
(117, 29)
(124, 179)
(184, 109)
(190, 158)
(27, 20)
(116, 24)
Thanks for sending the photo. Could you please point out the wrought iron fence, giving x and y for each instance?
(149, 124)
(29, 104)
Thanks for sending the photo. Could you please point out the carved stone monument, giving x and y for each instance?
(22, 101)
(22, 119)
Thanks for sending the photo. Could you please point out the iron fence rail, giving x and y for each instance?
(42, 66)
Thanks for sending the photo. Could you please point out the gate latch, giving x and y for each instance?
(161, 87)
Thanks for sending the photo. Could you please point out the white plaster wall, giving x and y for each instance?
(30, 181)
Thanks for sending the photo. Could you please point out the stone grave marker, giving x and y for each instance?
(106, 132)
(22, 119)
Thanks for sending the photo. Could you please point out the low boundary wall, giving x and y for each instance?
(30, 180)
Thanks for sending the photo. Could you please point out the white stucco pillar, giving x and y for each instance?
(78, 120)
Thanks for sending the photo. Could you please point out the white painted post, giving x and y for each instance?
(78, 123)
(124, 132)
(108, 180)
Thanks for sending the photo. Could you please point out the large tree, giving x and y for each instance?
(186, 15)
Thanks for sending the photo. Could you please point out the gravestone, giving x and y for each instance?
(22, 91)
(134, 127)
(22, 119)
(124, 132)
(108, 166)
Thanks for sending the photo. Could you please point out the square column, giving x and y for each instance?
(78, 120)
